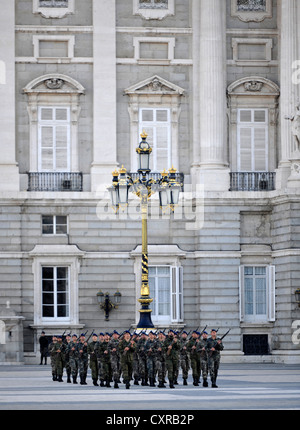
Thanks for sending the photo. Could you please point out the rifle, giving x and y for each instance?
(219, 340)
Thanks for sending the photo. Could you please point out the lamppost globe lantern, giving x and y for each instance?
(100, 297)
(144, 150)
(117, 297)
(123, 188)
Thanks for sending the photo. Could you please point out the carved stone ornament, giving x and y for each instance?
(254, 86)
(54, 83)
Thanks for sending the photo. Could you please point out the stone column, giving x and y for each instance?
(212, 158)
(105, 93)
(289, 97)
(9, 172)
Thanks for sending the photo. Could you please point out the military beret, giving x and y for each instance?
(101, 334)
(59, 336)
(213, 329)
(115, 332)
(74, 335)
(82, 334)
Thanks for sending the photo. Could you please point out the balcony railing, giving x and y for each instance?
(54, 181)
(252, 181)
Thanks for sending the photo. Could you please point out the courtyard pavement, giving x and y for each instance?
(241, 387)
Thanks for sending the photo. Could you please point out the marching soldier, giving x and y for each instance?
(135, 364)
(60, 358)
(171, 348)
(99, 359)
(104, 355)
(160, 363)
(67, 357)
(150, 349)
(127, 347)
(91, 349)
(82, 359)
(184, 356)
(201, 350)
(195, 361)
(213, 348)
(52, 352)
(115, 358)
(142, 358)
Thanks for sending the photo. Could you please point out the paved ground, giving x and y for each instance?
(241, 387)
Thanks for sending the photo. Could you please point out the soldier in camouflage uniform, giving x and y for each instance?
(82, 359)
(104, 355)
(115, 358)
(135, 363)
(93, 359)
(184, 357)
(150, 349)
(171, 349)
(52, 353)
(213, 348)
(142, 358)
(160, 363)
(99, 359)
(60, 358)
(127, 348)
(194, 356)
(201, 350)
(67, 357)
(73, 357)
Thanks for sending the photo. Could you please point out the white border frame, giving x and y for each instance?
(53, 12)
(256, 41)
(256, 16)
(158, 14)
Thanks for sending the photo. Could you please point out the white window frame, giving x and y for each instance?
(268, 43)
(252, 126)
(53, 12)
(154, 13)
(61, 256)
(251, 15)
(36, 39)
(270, 295)
(55, 293)
(53, 124)
(143, 125)
(170, 41)
(54, 223)
(175, 296)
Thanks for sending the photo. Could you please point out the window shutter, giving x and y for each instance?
(271, 291)
(245, 140)
(177, 293)
(241, 292)
(46, 142)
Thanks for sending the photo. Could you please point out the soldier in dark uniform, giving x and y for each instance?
(171, 349)
(201, 350)
(213, 348)
(43, 341)
(93, 359)
(127, 348)
(184, 357)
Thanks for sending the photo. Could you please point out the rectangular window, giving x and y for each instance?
(54, 224)
(55, 293)
(157, 124)
(153, 4)
(257, 293)
(166, 289)
(53, 3)
(54, 139)
(252, 140)
(251, 5)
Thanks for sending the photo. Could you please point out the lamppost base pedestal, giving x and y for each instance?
(145, 320)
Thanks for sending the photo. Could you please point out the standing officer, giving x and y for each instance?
(213, 347)
(127, 348)
(43, 341)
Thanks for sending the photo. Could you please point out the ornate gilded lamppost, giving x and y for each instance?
(144, 185)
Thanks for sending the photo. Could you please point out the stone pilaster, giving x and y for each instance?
(105, 98)
(289, 97)
(210, 148)
(9, 172)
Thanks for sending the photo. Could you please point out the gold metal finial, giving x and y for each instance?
(144, 135)
(172, 170)
(123, 170)
(115, 173)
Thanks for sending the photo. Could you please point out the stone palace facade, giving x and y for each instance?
(216, 86)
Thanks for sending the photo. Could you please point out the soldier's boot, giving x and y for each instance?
(116, 385)
(74, 380)
(175, 381)
(54, 378)
(152, 382)
(213, 383)
(171, 383)
(60, 379)
(136, 381)
(127, 383)
(68, 378)
(196, 383)
(205, 383)
(161, 385)
(146, 382)
(143, 382)
(108, 383)
(184, 381)
(95, 382)
(102, 383)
